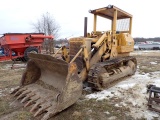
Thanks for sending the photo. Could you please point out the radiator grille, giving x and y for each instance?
(75, 46)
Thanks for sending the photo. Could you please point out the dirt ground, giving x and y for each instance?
(125, 101)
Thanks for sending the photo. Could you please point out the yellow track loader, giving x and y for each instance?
(99, 58)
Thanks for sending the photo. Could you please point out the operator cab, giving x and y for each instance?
(114, 14)
(121, 26)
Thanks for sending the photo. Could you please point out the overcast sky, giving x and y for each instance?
(17, 15)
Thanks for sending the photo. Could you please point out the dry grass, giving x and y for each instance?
(93, 110)
(22, 115)
(145, 66)
(4, 106)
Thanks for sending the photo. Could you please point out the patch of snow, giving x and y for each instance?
(88, 88)
(112, 118)
(101, 95)
(107, 112)
(126, 86)
(143, 91)
(9, 66)
(150, 114)
(117, 105)
(157, 82)
(145, 51)
(134, 103)
(133, 93)
(153, 63)
(123, 104)
(12, 89)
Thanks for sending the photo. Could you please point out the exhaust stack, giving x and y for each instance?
(85, 26)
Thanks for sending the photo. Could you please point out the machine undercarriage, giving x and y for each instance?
(105, 74)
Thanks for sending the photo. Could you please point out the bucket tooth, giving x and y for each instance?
(27, 97)
(36, 106)
(20, 96)
(26, 92)
(38, 112)
(19, 91)
(42, 109)
(23, 94)
(15, 90)
(31, 101)
(47, 116)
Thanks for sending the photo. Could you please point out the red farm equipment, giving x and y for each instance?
(15, 46)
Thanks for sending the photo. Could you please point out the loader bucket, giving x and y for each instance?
(50, 85)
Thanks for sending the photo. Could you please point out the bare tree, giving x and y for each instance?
(47, 25)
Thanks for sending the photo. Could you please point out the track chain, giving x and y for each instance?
(96, 69)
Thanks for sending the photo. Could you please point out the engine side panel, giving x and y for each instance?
(125, 43)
